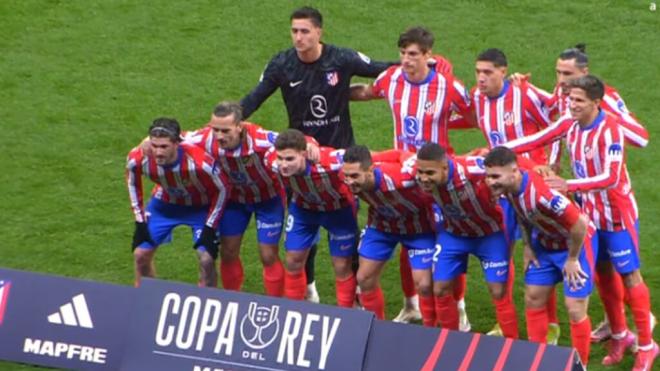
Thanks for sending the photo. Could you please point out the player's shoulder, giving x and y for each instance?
(135, 155)
(195, 152)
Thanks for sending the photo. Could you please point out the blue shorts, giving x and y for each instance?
(302, 229)
(163, 217)
(450, 258)
(378, 245)
(268, 214)
(510, 221)
(551, 265)
(620, 248)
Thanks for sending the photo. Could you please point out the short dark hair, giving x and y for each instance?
(432, 152)
(165, 127)
(579, 53)
(307, 12)
(496, 56)
(591, 85)
(416, 35)
(358, 154)
(500, 156)
(291, 139)
(224, 109)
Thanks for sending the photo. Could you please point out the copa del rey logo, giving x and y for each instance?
(195, 326)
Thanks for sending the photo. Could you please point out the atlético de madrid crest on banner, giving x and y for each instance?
(332, 78)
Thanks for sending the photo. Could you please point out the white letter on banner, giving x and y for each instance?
(289, 334)
(327, 339)
(306, 338)
(210, 319)
(31, 346)
(175, 300)
(227, 328)
(188, 321)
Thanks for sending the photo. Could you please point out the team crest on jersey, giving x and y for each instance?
(429, 108)
(509, 118)
(332, 78)
(621, 106)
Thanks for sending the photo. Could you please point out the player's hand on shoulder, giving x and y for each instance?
(518, 78)
(313, 152)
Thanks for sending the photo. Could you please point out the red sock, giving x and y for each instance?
(640, 306)
(551, 306)
(510, 280)
(374, 301)
(505, 311)
(446, 312)
(345, 291)
(581, 338)
(610, 288)
(537, 324)
(407, 283)
(273, 276)
(427, 307)
(231, 273)
(460, 285)
(295, 285)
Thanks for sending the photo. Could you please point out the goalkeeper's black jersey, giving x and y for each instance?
(316, 94)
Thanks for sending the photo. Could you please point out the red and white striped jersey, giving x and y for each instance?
(518, 111)
(421, 111)
(467, 204)
(598, 163)
(550, 214)
(321, 186)
(612, 103)
(252, 181)
(397, 205)
(193, 180)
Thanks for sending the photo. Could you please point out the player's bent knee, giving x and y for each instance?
(143, 256)
(497, 292)
(632, 279)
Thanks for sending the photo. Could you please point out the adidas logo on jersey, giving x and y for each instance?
(74, 313)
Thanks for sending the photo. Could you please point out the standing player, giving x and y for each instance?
(573, 63)
(555, 230)
(319, 199)
(473, 225)
(596, 145)
(189, 191)
(239, 148)
(422, 101)
(398, 214)
(314, 79)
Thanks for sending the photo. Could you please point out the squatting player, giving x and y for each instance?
(474, 224)
(319, 199)
(398, 214)
(189, 191)
(555, 230)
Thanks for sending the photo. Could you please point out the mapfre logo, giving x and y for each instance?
(260, 326)
(4, 295)
(74, 313)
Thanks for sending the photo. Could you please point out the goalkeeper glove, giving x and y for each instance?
(141, 235)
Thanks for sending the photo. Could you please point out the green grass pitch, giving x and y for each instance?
(80, 81)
